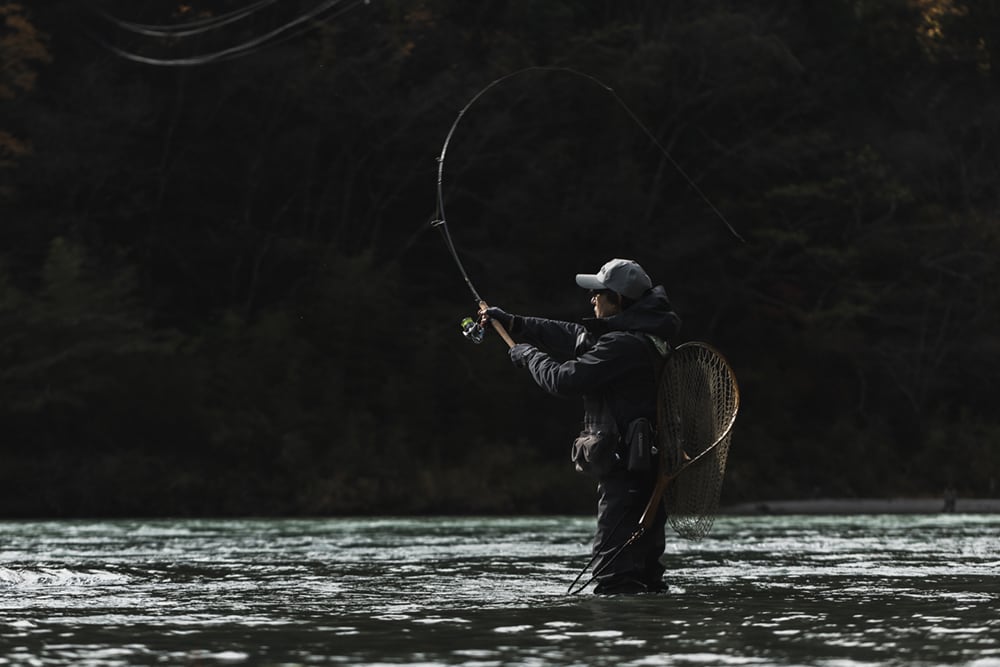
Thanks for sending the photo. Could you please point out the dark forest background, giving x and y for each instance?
(220, 292)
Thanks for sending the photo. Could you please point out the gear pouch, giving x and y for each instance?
(595, 451)
(639, 448)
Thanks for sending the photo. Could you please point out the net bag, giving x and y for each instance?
(698, 400)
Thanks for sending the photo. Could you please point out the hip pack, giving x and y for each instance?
(596, 450)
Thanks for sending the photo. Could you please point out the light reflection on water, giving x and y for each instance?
(789, 590)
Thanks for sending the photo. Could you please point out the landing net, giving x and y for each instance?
(698, 401)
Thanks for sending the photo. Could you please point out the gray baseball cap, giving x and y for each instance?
(620, 275)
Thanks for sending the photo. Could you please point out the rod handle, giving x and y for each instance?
(497, 326)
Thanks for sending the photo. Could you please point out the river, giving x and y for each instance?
(837, 591)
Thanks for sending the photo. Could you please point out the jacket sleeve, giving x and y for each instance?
(613, 356)
(553, 337)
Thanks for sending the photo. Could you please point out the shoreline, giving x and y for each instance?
(866, 506)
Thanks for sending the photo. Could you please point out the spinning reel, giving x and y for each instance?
(472, 330)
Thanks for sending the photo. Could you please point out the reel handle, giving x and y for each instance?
(498, 327)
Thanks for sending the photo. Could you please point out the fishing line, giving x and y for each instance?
(297, 26)
(188, 28)
(441, 221)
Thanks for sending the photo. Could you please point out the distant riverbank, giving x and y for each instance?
(867, 506)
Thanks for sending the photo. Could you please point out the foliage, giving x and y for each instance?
(22, 48)
(221, 295)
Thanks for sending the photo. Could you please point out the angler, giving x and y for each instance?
(613, 362)
(677, 468)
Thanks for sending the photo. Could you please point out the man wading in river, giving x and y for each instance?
(612, 361)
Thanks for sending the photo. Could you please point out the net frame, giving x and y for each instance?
(699, 399)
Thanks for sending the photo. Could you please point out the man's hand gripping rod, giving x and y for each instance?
(497, 326)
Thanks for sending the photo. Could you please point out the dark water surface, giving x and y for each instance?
(778, 590)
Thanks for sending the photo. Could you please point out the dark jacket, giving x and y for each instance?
(603, 358)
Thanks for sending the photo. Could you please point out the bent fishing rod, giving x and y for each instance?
(441, 220)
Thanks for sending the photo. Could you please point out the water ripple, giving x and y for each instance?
(831, 591)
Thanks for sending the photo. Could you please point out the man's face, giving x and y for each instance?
(605, 303)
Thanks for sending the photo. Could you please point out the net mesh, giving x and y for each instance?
(699, 399)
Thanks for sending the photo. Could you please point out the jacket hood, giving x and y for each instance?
(652, 314)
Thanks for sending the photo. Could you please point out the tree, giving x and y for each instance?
(22, 49)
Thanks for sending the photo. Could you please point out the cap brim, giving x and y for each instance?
(589, 281)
